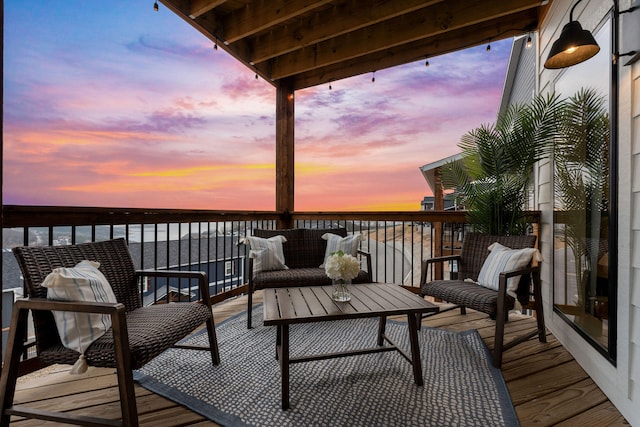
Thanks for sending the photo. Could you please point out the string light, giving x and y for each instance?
(155, 6)
(373, 77)
(329, 87)
(489, 47)
(426, 64)
(215, 44)
(256, 76)
(529, 42)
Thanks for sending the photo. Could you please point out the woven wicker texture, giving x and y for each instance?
(472, 255)
(304, 247)
(151, 329)
(299, 277)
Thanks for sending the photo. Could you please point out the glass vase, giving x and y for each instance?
(341, 290)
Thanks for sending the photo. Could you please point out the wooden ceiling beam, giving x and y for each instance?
(424, 23)
(330, 23)
(484, 32)
(200, 7)
(262, 14)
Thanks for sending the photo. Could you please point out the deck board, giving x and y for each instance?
(546, 385)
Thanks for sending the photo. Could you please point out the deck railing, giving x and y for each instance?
(211, 241)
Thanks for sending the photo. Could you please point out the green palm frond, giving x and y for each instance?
(494, 175)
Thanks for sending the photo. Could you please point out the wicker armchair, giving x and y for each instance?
(494, 303)
(138, 333)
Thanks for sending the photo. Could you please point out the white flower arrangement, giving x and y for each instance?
(341, 266)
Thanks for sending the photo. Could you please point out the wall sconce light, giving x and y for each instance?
(290, 96)
(574, 45)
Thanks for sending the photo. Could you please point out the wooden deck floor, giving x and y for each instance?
(546, 385)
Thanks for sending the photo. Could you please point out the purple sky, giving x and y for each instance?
(113, 104)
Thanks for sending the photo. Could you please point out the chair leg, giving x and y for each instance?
(499, 341)
(249, 306)
(537, 294)
(124, 369)
(502, 314)
(9, 375)
(213, 342)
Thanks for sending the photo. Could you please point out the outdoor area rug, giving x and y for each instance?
(461, 386)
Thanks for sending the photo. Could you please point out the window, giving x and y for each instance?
(229, 268)
(584, 187)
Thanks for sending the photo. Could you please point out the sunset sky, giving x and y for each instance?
(112, 104)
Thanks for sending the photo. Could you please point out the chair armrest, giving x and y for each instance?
(502, 281)
(74, 306)
(367, 256)
(203, 281)
(440, 259)
(520, 272)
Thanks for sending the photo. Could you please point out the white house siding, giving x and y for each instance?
(634, 308)
(524, 82)
(621, 383)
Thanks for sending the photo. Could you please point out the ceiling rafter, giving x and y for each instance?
(200, 7)
(330, 23)
(265, 14)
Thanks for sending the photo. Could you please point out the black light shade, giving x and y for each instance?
(574, 46)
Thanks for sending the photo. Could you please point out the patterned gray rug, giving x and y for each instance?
(461, 388)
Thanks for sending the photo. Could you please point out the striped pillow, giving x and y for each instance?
(267, 254)
(503, 258)
(348, 245)
(84, 282)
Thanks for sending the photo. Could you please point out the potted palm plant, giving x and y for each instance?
(493, 178)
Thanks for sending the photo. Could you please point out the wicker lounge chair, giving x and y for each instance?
(494, 303)
(138, 334)
(303, 253)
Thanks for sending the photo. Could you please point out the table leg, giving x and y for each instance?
(415, 349)
(382, 325)
(284, 365)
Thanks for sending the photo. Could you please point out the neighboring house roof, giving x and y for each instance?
(428, 170)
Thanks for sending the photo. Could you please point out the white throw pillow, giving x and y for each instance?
(267, 254)
(503, 258)
(348, 245)
(84, 282)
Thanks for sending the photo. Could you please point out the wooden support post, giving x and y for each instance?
(285, 153)
(438, 205)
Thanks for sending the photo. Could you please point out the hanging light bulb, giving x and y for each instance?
(155, 6)
(373, 77)
(329, 87)
(215, 46)
(426, 64)
(256, 76)
(529, 43)
(489, 47)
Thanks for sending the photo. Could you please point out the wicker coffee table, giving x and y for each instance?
(288, 306)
